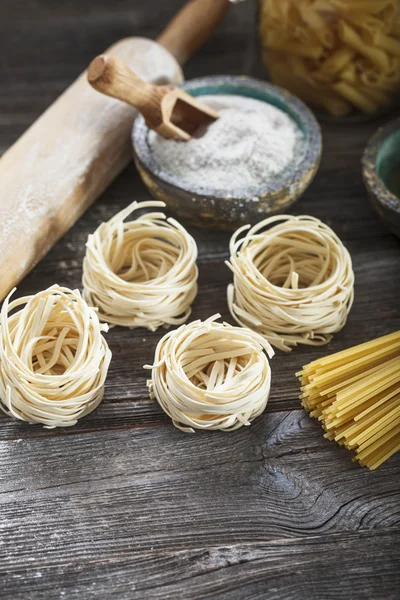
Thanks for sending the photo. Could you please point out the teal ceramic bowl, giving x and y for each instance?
(381, 173)
(206, 207)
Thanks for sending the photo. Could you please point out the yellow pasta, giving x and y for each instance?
(335, 105)
(371, 6)
(387, 43)
(396, 29)
(355, 97)
(299, 66)
(318, 25)
(376, 95)
(277, 12)
(331, 102)
(349, 74)
(295, 48)
(374, 79)
(337, 61)
(377, 56)
(388, 14)
(305, 35)
(355, 394)
(340, 55)
(394, 70)
(366, 22)
(292, 14)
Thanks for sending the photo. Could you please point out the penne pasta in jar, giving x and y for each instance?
(342, 57)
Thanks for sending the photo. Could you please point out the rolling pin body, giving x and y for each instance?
(66, 159)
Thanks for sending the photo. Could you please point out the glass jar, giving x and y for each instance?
(339, 56)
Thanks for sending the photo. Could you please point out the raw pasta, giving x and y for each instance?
(53, 358)
(209, 375)
(293, 281)
(141, 273)
(355, 394)
(309, 46)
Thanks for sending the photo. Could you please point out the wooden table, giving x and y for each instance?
(125, 506)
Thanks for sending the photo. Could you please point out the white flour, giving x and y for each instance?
(251, 142)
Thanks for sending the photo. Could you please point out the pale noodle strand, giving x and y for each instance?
(209, 375)
(53, 358)
(141, 273)
(293, 281)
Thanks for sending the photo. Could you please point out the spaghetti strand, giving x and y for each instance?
(360, 411)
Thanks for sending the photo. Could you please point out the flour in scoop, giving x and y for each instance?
(238, 154)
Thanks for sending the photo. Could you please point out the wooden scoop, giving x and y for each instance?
(171, 112)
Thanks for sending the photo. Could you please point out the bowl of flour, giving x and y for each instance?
(255, 160)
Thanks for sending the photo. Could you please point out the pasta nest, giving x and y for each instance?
(141, 273)
(53, 358)
(292, 281)
(210, 375)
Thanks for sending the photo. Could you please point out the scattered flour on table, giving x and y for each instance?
(251, 142)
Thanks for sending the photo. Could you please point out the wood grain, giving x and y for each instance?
(270, 481)
(123, 505)
(90, 500)
(281, 569)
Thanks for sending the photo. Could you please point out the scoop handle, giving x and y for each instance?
(112, 77)
(192, 26)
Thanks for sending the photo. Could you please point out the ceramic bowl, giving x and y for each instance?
(381, 173)
(206, 207)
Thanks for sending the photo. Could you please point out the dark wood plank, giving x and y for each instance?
(124, 414)
(79, 511)
(277, 570)
(123, 505)
(277, 478)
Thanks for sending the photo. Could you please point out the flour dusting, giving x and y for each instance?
(66, 159)
(250, 143)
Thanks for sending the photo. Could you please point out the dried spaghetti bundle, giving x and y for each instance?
(53, 358)
(356, 396)
(141, 273)
(210, 375)
(293, 281)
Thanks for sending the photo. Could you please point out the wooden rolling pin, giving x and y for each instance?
(67, 158)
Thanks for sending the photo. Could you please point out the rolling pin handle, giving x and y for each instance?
(111, 76)
(192, 26)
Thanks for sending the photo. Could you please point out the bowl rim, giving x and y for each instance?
(289, 177)
(373, 182)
